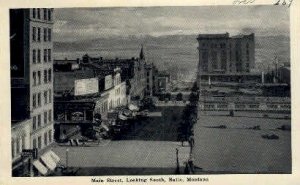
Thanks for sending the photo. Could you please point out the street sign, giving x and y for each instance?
(33, 153)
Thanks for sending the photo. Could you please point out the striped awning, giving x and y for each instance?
(48, 160)
(40, 167)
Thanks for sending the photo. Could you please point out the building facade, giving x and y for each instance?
(162, 82)
(98, 92)
(149, 79)
(32, 73)
(20, 140)
(221, 54)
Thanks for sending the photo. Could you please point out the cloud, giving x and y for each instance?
(87, 23)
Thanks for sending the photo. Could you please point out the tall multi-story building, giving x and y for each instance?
(31, 48)
(221, 54)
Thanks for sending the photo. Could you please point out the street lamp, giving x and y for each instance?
(67, 157)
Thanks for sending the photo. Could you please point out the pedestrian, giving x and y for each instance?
(191, 164)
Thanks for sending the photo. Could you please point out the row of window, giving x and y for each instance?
(117, 80)
(221, 45)
(37, 77)
(37, 142)
(37, 34)
(38, 12)
(36, 55)
(17, 145)
(118, 91)
(37, 120)
(105, 106)
(37, 98)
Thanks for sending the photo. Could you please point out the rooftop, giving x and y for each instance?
(223, 36)
(64, 81)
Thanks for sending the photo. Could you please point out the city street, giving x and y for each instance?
(238, 149)
(149, 147)
(163, 127)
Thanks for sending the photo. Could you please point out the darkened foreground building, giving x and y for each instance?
(31, 64)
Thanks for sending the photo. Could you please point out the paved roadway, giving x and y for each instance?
(125, 154)
(237, 149)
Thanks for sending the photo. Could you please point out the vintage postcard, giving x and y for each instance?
(155, 93)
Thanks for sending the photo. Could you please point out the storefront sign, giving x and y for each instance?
(32, 153)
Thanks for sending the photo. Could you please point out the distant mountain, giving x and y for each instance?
(126, 43)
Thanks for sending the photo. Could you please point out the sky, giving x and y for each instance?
(73, 24)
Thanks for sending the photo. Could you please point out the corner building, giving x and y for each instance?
(32, 73)
(221, 54)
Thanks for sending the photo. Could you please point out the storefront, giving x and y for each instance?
(71, 115)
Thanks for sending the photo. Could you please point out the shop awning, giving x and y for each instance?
(48, 160)
(55, 157)
(40, 167)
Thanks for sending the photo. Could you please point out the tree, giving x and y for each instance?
(168, 96)
(162, 97)
(179, 97)
(195, 87)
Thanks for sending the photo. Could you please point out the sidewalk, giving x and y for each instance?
(126, 154)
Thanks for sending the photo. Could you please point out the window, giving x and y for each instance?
(247, 52)
(45, 97)
(214, 60)
(39, 121)
(23, 141)
(50, 95)
(18, 146)
(50, 116)
(50, 136)
(49, 15)
(39, 13)
(39, 35)
(34, 143)
(39, 77)
(34, 123)
(34, 78)
(45, 118)
(39, 142)
(45, 76)
(39, 56)
(223, 60)
(34, 100)
(34, 56)
(49, 35)
(13, 148)
(45, 55)
(33, 33)
(45, 13)
(49, 55)
(39, 99)
(45, 139)
(34, 13)
(49, 75)
(45, 34)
